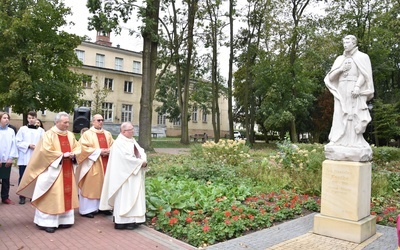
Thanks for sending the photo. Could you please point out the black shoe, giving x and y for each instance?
(131, 226)
(119, 226)
(50, 229)
(65, 226)
(106, 212)
(89, 215)
(22, 200)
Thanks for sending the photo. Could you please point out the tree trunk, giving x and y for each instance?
(149, 73)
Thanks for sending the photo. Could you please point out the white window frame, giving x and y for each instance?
(194, 114)
(204, 115)
(109, 83)
(107, 109)
(177, 121)
(119, 63)
(86, 83)
(87, 103)
(80, 54)
(100, 59)
(161, 119)
(128, 87)
(137, 67)
(127, 113)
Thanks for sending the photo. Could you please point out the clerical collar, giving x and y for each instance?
(351, 52)
(98, 128)
(32, 126)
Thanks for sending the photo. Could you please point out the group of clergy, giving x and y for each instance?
(95, 174)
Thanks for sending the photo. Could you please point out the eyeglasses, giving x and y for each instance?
(100, 120)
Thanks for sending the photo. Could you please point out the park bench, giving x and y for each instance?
(196, 137)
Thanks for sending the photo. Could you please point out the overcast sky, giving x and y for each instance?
(80, 15)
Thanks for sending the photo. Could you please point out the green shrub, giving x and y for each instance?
(384, 155)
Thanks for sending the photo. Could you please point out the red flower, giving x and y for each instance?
(235, 217)
(233, 207)
(227, 213)
(373, 212)
(391, 219)
(173, 221)
(240, 210)
(153, 220)
(188, 219)
(206, 228)
(250, 216)
(168, 214)
(176, 211)
(191, 213)
(227, 222)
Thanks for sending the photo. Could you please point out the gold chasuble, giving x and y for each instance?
(91, 176)
(103, 144)
(49, 177)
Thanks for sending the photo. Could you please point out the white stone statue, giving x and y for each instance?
(351, 84)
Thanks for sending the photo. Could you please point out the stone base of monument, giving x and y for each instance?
(354, 231)
(345, 201)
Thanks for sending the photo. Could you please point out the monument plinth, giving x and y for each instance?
(345, 201)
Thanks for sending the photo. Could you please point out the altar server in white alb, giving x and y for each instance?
(27, 138)
(124, 182)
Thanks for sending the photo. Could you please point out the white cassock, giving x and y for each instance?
(24, 138)
(124, 182)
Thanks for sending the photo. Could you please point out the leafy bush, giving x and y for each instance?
(384, 155)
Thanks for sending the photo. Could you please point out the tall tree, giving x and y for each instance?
(231, 14)
(36, 57)
(150, 44)
(106, 18)
(250, 39)
(213, 32)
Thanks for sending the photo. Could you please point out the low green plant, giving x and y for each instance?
(203, 198)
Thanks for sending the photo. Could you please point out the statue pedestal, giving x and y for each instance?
(345, 201)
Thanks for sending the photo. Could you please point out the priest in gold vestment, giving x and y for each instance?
(49, 177)
(95, 144)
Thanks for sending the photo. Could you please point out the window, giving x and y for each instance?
(100, 60)
(107, 111)
(161, 118)
(126, 114)
(194, 114)
(137, 67)
(128, 87)
(177, 121)
(86, 103)
(119, 63)
(81, 55)
(87, 82)
(204, 115)
(109, 83)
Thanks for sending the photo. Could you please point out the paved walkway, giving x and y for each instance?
(17, 231)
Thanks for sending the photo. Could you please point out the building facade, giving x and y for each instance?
(119, 71)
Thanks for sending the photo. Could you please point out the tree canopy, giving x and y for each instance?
(36, 57)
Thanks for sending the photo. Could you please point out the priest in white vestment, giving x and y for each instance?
(124, 181)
